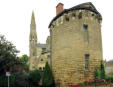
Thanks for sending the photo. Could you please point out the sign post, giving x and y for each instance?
(8, 74)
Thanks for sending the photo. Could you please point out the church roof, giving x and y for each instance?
(84, 6)
(42, 45)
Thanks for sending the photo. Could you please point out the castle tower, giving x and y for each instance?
(32, 43)
(76, 46)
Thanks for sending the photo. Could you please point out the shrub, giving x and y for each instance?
(21, 79)
(97, 73)
(4, 81)
(47, 80)
(102, 70)
(109, 79)
(34, 78)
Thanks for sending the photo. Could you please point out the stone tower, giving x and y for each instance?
(76, 46)
(33, 43)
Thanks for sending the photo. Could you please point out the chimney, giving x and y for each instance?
(59, 8)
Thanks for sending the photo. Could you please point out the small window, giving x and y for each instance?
(80, 15)
(86, 61)
(41, 59)
(43, 68)
(73, 15)
(40, 68)
(86, 33)
(85, 26)
(92, 14)
(67, 19)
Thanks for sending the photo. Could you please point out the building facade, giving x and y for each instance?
(76, 45)
(39, 53)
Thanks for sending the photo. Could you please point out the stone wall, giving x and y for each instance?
(69, 44)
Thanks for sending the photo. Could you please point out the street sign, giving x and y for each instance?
(8, 74)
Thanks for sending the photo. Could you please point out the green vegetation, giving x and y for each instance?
(34, 78)
(47, 80)
(103, 75)
(97, 73)
(8, 55)
(24, 61)
(21, 79)
(4, 81)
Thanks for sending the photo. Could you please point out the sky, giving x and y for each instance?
(15, 18)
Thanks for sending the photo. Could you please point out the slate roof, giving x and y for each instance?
(84, 6)
(41, 45)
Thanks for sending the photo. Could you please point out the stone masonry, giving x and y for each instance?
(75, 44)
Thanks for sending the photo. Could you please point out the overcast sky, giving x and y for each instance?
(15, 18)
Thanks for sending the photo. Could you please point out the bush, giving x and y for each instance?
(21, 79)
(102, 70)
(97, 73)
(4, 81)
(109, 79)
(47, 80)
(34, 78)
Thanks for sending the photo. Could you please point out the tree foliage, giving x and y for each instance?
(8, 54)
(97, 73)
(24, 61)
(21, 79)
(34, 78)
(102, 70)
(47, 80)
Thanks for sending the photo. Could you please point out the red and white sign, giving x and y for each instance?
(8, 72)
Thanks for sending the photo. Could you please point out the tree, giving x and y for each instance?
(8, 55)
(34, 78)
(102, 70)
(24, 61)
(97, 73)
(47, 80)
(21, 79)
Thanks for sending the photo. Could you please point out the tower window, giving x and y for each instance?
(92, 14)
(85, 26)
(67, 19)
(86, 61)
(80, 15)
(73, 15)
(86, 34)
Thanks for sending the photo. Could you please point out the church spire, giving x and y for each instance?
(32, 42)
(33, 19)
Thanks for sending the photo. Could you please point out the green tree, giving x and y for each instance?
(34, 78)
(24, 61)
(47, 80)
(97, 73)
(21, 79)
(8, 55)
(102, 70)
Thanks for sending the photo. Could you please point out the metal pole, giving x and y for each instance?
(8, 81)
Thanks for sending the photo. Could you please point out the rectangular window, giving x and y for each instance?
(86, 61)
(86, 34)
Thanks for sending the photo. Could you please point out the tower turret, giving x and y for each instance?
(32, 42)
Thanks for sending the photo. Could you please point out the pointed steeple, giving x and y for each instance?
(32, 42)
(33, 18)
(33, 34)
